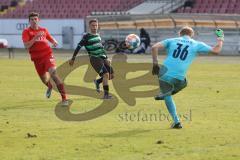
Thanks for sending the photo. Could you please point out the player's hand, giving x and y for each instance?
(71, 62)
(155, 69)
(220, 34)
(55, 44)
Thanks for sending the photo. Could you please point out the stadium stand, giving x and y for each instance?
(156, 6)
(66, 8)
(147, 7)
(7, 4)
(210, 6)
(83, 8)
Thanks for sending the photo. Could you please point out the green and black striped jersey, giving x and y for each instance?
(93, 45)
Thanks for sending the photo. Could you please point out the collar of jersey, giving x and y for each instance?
(186, 37)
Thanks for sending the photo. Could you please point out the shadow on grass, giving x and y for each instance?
(129, 133)
(105, 107)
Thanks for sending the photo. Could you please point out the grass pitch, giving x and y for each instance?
(30, 130)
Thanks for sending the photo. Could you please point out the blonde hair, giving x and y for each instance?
(188, 31)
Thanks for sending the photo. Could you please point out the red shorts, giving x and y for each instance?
(42, 65)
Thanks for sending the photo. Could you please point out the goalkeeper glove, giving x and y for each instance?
(220, 34)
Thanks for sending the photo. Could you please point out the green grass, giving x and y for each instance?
(213, 132)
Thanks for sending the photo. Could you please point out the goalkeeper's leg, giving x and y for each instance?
(173, 111)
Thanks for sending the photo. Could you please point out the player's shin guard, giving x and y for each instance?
(171, 108)
(62, 91)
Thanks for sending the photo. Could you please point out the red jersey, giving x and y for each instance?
(40, 48)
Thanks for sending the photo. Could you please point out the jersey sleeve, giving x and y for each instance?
(25, 36)
(79, 46)
(203, 48)
(83, 41)
(165, 43)
(48, 36)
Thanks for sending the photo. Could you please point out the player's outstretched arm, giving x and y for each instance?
(82, 43)
(220, 38)
(155, 48)
(218, 47)
(71, 61)
(51, 39)
(54, 42)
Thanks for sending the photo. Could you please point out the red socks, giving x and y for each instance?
(49, 85)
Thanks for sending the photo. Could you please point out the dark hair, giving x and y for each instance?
(33, 14)
(143, 31)
(93, 20)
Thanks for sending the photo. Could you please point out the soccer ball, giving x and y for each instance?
(132, 41)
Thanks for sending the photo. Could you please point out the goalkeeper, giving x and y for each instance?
(181, 52)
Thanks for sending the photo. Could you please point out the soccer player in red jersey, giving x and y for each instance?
(35, 39)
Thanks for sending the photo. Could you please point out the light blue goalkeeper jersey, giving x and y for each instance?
(181, 52)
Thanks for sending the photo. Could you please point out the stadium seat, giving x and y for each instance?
(49, 7)
(212, 6)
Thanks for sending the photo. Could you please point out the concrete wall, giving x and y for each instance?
(11, 29)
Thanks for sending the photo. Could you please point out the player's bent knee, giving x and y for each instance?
(106, 75)
(52, 71)
(54, 75)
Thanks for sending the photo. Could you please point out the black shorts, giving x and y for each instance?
(101, 65)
